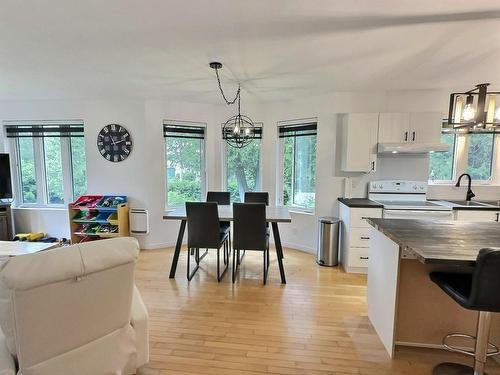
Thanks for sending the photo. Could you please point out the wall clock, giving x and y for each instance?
(114, 143)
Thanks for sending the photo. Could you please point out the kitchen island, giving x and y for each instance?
(404, 306)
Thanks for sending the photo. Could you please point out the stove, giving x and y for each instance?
(404, 199)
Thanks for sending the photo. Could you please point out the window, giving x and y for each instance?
(480, 156)
(442, 164)
(298, 164)
(185, 161)
(470, 153)
(242, 165)
(49, 171)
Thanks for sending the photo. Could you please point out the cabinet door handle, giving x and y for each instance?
(413, 137)
(364, 258)
(406, 136)
(498, 214)
(367, 238)
(373, 165)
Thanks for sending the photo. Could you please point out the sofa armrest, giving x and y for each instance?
(139, 322)
(7, 362)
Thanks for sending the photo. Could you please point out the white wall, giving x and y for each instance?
(141, 176)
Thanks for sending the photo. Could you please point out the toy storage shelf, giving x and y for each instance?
(94, 217)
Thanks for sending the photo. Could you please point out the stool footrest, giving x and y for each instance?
(492, 349)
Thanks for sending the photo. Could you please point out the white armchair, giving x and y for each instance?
(73, 310)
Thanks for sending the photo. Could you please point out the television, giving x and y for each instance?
(5, 177)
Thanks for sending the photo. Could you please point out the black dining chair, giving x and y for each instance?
(250, 233)
(222, 198)
(204, 232)
(257, 197)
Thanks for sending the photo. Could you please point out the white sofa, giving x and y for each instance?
(73, 311)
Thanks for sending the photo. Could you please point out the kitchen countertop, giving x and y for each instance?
(360, 203)
(494, 205)
(446, 242)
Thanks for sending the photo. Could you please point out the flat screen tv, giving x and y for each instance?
(5, 179)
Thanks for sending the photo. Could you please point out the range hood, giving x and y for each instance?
(411, 148)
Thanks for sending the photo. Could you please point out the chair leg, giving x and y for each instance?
(224, 249)
(191, 274)
(234, 264)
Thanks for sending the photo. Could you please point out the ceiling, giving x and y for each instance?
(277, 49)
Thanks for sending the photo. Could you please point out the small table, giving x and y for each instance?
(15, 248)
(274, 215)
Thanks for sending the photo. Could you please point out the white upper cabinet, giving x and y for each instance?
(425, 127)
(394, 127)
(422, 127)
(359, 142)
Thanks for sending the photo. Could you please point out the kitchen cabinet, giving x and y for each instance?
(355, 237)
(421, 127)
(476, 215)
(393, 127)
(359, 142)
(425, 127)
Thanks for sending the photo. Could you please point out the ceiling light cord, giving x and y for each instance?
(237, 96)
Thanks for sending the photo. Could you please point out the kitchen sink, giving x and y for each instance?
(470, 203)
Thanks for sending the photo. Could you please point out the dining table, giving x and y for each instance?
(274, 216)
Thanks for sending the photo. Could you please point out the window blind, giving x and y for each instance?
(183, 131)
(44, 130)
(297, 130)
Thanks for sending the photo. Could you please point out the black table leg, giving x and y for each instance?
(177, 251)
(279, 251)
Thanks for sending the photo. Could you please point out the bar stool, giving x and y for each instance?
(474, 291)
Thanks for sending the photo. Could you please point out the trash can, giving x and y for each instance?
(328, 241)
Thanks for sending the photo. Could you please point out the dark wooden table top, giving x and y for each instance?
(447, 242)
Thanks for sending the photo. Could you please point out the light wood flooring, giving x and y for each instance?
(315, 324)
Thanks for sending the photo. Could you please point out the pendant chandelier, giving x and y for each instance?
(475, 110)
(239, 130)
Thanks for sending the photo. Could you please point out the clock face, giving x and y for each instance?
(114, 143)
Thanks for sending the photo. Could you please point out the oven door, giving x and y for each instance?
(418, 214)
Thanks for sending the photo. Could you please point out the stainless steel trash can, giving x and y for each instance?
(328, 241)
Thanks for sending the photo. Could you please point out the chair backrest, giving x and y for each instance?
(486, 282)
(249, 226)
(257, 197)
(220, 197)
(203, 225)
(58, 300)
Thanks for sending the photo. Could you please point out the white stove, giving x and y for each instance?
(406, 200)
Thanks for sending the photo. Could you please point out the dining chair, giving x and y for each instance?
(222, 198)
(257, 197)
(204, 232)
(250, 233)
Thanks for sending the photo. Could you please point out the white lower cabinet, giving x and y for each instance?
(355, 238)
(476, 215)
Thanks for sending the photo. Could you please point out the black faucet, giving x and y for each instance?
(470, 194)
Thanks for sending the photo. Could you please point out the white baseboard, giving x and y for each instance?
(296, 246)
(161, 245)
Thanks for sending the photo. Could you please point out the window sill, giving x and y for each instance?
(40, 208)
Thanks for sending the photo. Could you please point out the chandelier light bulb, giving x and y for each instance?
(469, 112)
(236, 129)
(497, 114)
(247, 131)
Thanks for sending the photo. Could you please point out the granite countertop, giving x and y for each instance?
(360, 203)
(446, 242)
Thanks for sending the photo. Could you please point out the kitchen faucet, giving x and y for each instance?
(470, 194)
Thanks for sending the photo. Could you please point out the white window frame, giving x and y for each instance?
(224, 148)
(40, 170)
(204, 168)
(460, 163)
(280, 169)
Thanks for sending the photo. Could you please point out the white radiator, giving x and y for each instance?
(139, 221)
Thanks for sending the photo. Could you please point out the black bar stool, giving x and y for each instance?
(204, 232)
(250, 233)
(473, 291)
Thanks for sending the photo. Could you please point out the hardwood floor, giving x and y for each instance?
(315, 324)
